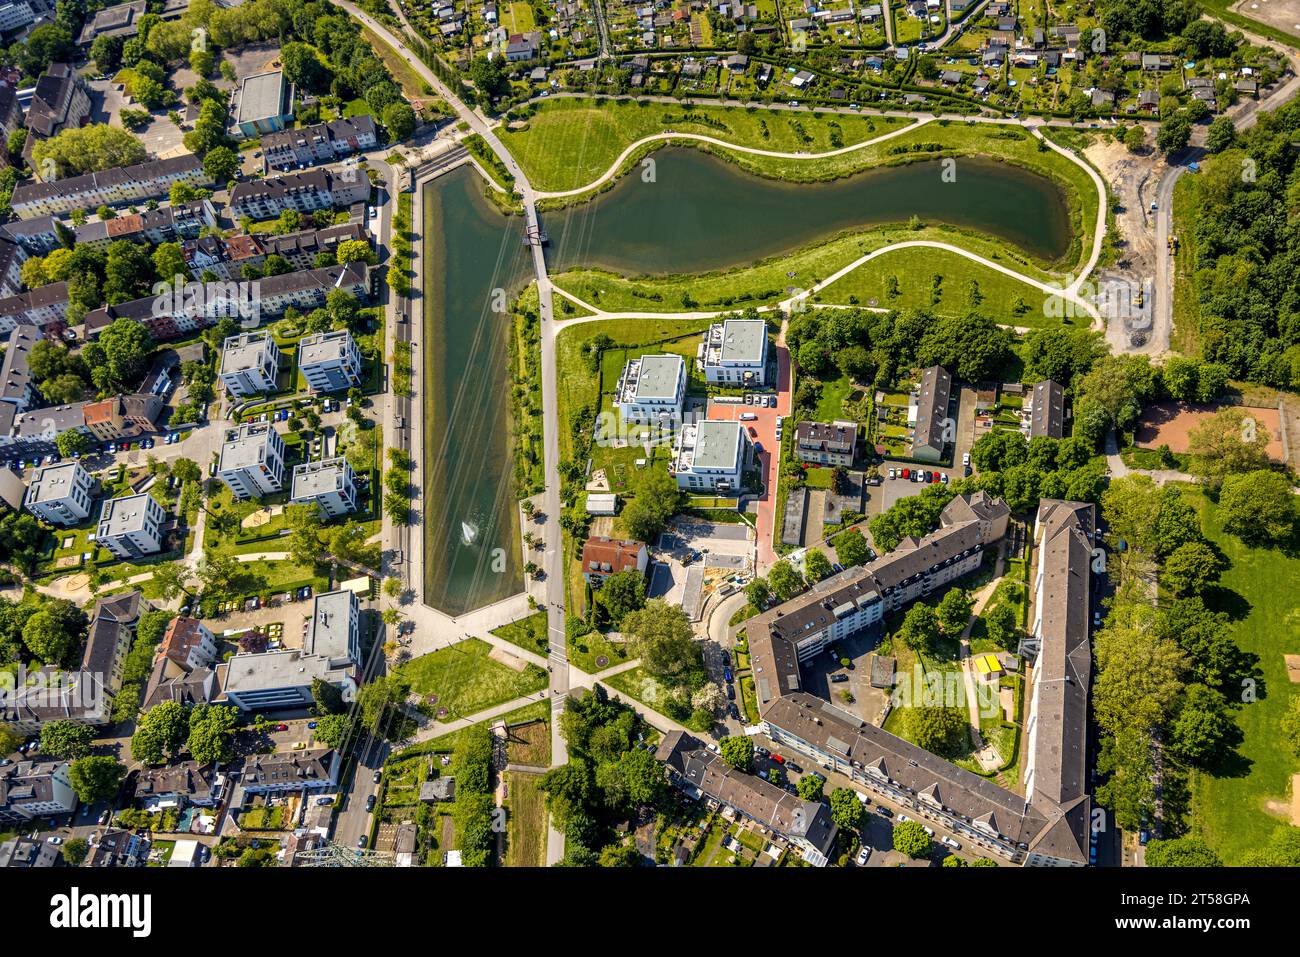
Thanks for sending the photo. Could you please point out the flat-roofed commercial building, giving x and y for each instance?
(132, 526)
(330, 483)
(735, 353)
(330, 361)
(335, 629)
(711, 456)
(652, 390)
(264, 104)
(252, 463)
(61, 494)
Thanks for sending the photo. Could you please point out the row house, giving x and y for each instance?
(105, 420)
(111, 187)
(220, 257)
(166, 224)
(45, 307)
(305, 192)
(319, 142)
(38, 236)
(302, 249)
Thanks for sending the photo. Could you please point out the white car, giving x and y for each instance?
(956, 846)
(965, 458)
(893, 473)
(862, 856)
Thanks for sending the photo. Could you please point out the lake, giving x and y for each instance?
(700, 213)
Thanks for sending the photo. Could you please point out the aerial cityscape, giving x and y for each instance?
(694, 434)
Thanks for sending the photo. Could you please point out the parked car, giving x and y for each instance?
(863, 854)
(884, 811)
(362, 841)
(955, 845)
(753, 432)
(726, 673)
(907, 473)
(370, 803)
(377, 776)
(731, 692)
(733, 711)
(778, 759)
(965, 458)
(893, 474)
(837, 678)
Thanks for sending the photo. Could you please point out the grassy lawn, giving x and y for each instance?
(644, 687)
(446, 743)
(467, 681)
(1230, 813)
(1002, 298)
(530, 743)
(831, 405)
(528, 633)
(770, 280)
(406, 77)
(518, 18)
(526, 825)
(586, 651)
(1186, 337)
(570, 142)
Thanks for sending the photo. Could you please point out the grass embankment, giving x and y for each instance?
(569, 142)
(771, 280)
(1238, 811)
(1186, 335)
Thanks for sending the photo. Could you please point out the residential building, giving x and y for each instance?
(711, 456)
(15, 15)
(834, 444)
(305, 192)
(131, 526)
(1048, 826)
(291, 771)
(1047, 410)
(20, 852)
(250, 362)
(330, 361)
(38, 236)
(283, 678)
(107, 420)
(44, 307)
(928, 415)
(334, 632)
(60, 101)
(735, 353)
(113, 624)
(112, 187)
(319, 142)
(12, 257)
(252, 462)
(183, 667)
(302, 249)
(32, 789)
(167, 223)
(176, 786)
(651, 390)
(122, 20)
(264, 104)
(330, 483)
(61, 494)
(602, 557)
(222, 257)
(1056, 768)
(16, 384)
(698, 771)
(118, 848)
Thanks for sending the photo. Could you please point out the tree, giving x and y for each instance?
(46, 44)
(211, 730)
(1135, 138)
(1002, 625)
(355, 250)
(75, 850)
(160, 733)
(738, 751)
(1175, 132)
(1221, 135)
(68, 740)
(47, 636)
(1229, 441)
(1258, 507)
(942, 731)
(847, 811)
(656, 499)
(1181, 852)
(709, 699)
(660, 635)
(1203, 728)
(217, 572)
(10, 740)
(380, 701)
(810, 787)
(851, 548)
(1191, 568)
(816, 565)
(785, 581)
(88, 149)
(169, 262)
(96, 779)
(186, 470)
(1128, 774)
(73, 444)
(172, 579)
(399, 119)
(920, 627)
(125, 347)
(333, 729)
(757, 593)
(954, 611)
(622, 593)
(911, 839)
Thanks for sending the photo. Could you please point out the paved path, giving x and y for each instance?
(1115, 465)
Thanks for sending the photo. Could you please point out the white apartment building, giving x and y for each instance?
(249, 363)
(61, 494)
(252, 462)
(131, 527)
(330, 483)
(651, 390)
(330, 361)
(111, 187)
(711, 456)
(735, 353)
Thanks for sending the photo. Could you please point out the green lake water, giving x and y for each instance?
(699, 214)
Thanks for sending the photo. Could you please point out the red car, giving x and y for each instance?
(907, 473)
(753, 431)
(282, 727)
(778, 759)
